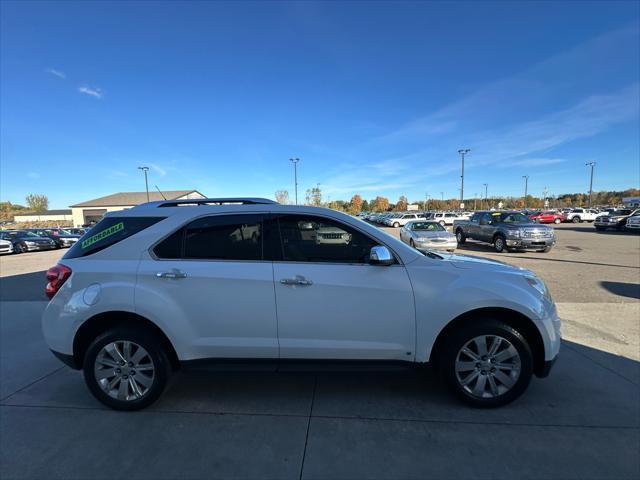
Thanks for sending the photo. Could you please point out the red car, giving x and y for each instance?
(547, 217)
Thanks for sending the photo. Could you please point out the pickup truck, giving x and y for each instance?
(506, 231)
(578, 215)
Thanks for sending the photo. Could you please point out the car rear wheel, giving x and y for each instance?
(576, 220)
(486, 364)
(557, 221)
(396, 225)
(442, 222)
(460, 237)
(126, 368)
(499, 243)
(17, 248)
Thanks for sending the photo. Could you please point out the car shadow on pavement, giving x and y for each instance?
(629, 290)
(23, 287)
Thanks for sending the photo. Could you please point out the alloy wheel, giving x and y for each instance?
(487, 366)
(124, 370)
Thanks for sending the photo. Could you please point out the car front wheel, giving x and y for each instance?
(575, 219)
(126, 368)
(557, 221)
(487, 364)
(499, 244)
(460, 237)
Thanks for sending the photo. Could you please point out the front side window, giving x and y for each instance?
(316, 239)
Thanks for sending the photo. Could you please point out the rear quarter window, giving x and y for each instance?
(108, 232)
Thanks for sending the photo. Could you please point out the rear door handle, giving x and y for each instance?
(175, 274)
(298, 280)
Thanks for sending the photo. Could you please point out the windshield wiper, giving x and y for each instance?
(431, 254)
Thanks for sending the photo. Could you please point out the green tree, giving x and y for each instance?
(37, 203)
(365, 206)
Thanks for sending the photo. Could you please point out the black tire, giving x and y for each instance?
(446, 360)
(147, 340)
(18, 248)
(499, 243)
(396, 225)
(460, 237)
(576, 219)
(557, 221)
(441, 222)
(412, 243)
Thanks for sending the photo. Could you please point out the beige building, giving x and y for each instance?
(46, 216)
(92, 211)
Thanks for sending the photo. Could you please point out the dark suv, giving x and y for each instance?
(506, 231)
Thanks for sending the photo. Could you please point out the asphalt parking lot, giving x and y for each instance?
(581, 422)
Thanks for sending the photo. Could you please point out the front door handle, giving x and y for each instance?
(298, 280)
(174, 274)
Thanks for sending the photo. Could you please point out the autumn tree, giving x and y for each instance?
(401, 204)
(37, 203)
(314, 196)
(282, 197)
(381, 204)
(355, 205)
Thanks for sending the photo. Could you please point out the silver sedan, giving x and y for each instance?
(428, 235)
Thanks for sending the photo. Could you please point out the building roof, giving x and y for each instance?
(44, 213)
(133, 198)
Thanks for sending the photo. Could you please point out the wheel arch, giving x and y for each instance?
(104, 321)
(513, 318)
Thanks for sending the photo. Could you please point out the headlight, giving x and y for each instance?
(539, 285)
(30, 243)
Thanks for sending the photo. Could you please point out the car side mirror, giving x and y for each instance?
(380, 255)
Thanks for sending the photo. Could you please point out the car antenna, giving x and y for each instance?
(164, 198)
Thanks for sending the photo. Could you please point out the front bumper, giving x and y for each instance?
(633, 226)
(546, 367)
(38, 247)
(445, 246)
(531, 243)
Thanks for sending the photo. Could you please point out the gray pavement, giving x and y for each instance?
(581, 422)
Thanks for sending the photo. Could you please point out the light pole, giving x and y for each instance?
(486, 198)
(146, 183)
(590, 164)
(426, 201)
(462, 152)
(475, 199)
(526, 185)
(295, 161)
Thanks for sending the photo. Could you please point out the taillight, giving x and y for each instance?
(56, 276)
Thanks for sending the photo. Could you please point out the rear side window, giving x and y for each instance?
(109, 231)
(228, 237)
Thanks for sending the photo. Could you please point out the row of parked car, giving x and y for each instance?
(504, 230)
(35, 239)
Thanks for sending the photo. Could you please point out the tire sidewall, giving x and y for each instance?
(480, 327)
(152, 344)
(503, 242)
(460, 236)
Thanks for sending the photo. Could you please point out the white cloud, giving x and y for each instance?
(94, 92)
(56, 73)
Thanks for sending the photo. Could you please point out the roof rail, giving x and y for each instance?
(213, 201)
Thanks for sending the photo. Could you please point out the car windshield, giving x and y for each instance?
(427, 226)
(514, 218)
(23, 233)
(622, 212)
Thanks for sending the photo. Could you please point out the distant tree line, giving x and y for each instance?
(34, 203)
(357, 204)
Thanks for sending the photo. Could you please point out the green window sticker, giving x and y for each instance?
(103, 234)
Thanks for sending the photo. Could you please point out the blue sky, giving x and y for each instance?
(375, 98)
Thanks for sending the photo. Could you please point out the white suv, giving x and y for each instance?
(401, 219)
(578, 215)
(170, 284)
